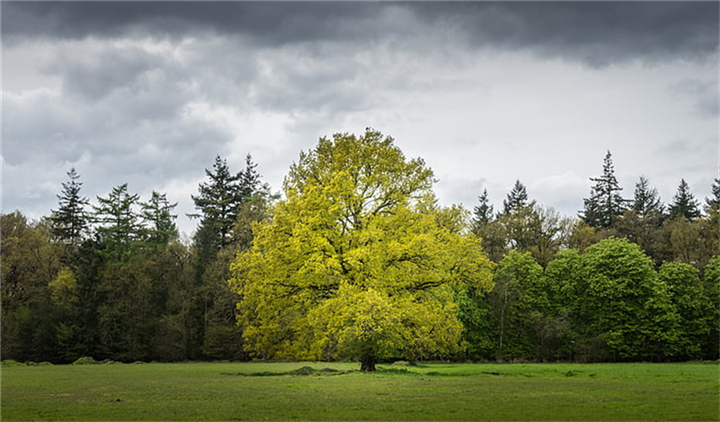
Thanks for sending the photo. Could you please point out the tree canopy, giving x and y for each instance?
(358, 262)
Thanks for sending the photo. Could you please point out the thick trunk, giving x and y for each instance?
(367, 364)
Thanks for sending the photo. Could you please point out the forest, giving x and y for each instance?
(357, 261)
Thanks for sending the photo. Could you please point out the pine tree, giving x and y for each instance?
(646, 200)
(159, 220)
(605, 205)
(120, 228)
(684, 204)
(483, 212)
(70, 221)
(219, 201)
(517, 198)
(713, 203)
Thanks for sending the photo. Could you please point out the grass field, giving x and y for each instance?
(230, 391)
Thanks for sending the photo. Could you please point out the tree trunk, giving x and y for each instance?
(367, 364)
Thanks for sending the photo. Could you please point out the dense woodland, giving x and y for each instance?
(629, 278)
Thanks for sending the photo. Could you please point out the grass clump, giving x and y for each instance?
(303, 371)
(85, 360)
(8, 363)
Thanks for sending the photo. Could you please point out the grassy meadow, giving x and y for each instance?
(336, 391)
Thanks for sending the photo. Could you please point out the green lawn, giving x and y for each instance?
(223, 391)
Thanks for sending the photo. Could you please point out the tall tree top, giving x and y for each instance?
(684, 204)
(605, 205)
(646, 199)
(70, 220)
(219, 201)
(483, 212)
(713, 203)
(517, 198)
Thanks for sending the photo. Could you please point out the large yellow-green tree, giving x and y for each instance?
(358, 261)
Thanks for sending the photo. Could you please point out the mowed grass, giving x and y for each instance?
(223, 391)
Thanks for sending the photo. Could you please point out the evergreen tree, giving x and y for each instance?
(713, 203)
(646, 200)
(684, 204)
(219, 201)
(483, 212)
(157, 215)
(517, 198)
(605, 205)
(120, 228)
(641, 222)
(70, 221)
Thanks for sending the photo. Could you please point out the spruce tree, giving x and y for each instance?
(70, 221)
(219, 201)
(646, 200)
(605, 205)
(483, 212)
(159, 220)
(517, 198)
(684, 204)
(713, 203)
(119, 228)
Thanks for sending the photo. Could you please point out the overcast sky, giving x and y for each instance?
(487, 93)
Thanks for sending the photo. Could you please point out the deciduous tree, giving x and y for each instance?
(358, 262)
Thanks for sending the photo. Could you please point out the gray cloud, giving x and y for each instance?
(267, 22)
(703, 94)
(595, 33)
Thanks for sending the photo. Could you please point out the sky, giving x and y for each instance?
(148, 93)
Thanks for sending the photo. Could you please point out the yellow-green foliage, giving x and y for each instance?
(357, 261)
(64, 287)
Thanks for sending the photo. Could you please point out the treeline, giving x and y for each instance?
(628, 279)
(112, 280)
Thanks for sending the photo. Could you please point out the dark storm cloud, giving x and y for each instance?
(270, 22)
(596, 33)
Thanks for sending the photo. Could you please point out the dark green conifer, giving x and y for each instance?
(684, 204)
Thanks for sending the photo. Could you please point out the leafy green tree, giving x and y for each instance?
(29, 262)
(688, 296)
(711, 287)
(582, 235)
(70, 221)
(535, 229)
(517, 300)
(355, 263)
(561, 281)
(684, 204)
(605, 205)
(119, 229)
(681, 240)
(622, 310)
